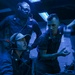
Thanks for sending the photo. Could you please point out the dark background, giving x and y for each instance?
(65, 9)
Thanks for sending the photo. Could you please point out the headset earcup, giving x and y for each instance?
(12, 40)
(13, 45)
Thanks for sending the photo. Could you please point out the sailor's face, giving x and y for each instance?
(24, 10)
(53, 24)
(21, 44)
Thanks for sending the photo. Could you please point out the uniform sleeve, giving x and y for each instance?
(43, 40)
(36, 29)
(6, 67)
(38, 32)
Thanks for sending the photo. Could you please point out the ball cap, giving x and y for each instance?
(18, 36)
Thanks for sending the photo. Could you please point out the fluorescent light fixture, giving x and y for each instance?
(44, 15)
(32, 1)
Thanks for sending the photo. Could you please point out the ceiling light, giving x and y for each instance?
(44, 15)
(32, 1)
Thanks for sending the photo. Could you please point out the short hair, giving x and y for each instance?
(50, 17)
(20, 4)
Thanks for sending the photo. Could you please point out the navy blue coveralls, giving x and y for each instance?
(12, 25)
(51, 44)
